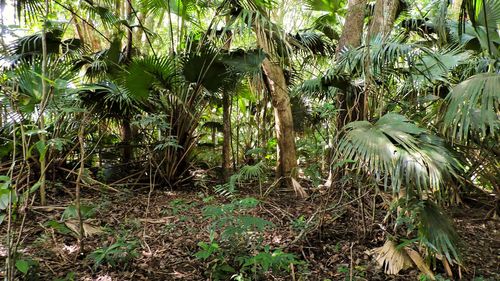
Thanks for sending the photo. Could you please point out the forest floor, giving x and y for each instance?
(168, 225)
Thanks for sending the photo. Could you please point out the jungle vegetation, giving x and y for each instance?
(382, 113)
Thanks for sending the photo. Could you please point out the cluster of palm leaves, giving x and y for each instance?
(449, 69)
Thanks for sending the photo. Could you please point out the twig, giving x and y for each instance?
(351, 264)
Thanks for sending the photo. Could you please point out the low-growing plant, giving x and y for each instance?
(120, 253)
(71, 276)
(236, 246)
(28, 268)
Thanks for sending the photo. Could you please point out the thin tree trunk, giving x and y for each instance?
(226, 119)
(128, 48)
(81, 134)
(126, 139)
(350, 104)
(43, 104)
(226, 131)
(278, 88)
(79, 30)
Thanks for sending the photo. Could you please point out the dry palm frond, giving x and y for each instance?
(88, 229)
(298, 189)
(391, 258)
(420, 263)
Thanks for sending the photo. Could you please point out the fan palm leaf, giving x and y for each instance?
(473, 105)
(397, 149)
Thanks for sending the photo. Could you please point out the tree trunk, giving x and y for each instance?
(43, 104)
(128, 48)
(353, 26)
(226, 119)
(126, 139)
(351, 104)
(383, 17)
(287, 159)
(226, 131)
(276, 84)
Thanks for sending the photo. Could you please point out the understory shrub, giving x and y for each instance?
(236, 248)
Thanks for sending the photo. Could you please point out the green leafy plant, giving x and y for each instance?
(236, 244)
(28, 267)
(120, 253)
(246, 173)
(71, 276)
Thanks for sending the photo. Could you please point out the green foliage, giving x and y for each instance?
(395, 147)
(437, 233)
(472, 107)
(71, 212)
(59, 227)
(71, 276)
(246, 173)
(146, 74)
(28, 267)
(430, 228)
(236, 243)
(118, 254)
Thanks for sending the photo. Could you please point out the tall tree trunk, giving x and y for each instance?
(287, 159)
(353, 26)
(226, 119)
(226, 131)
(276, 84)
(455, 8)
(383, 17)
(128, 48)
(351, 104)
(381, 26)
(43, 104)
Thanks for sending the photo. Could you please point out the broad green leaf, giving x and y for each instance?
(23, 266)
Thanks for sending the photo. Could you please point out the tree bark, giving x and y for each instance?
(226, 131)
(353, 26)
(383, 17)
(226, 119)
(274, 79)
(351, 104)
(126, 139)
(287, 159)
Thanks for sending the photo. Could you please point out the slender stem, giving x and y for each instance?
(81, 132)
(41, 121)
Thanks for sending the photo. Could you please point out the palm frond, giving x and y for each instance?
(108, 18)
(484, 16)
(473, 106)
(396, 149)
(108, 100)
(145, 74)
(437, 232)
(310, 42)
(256, 171)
